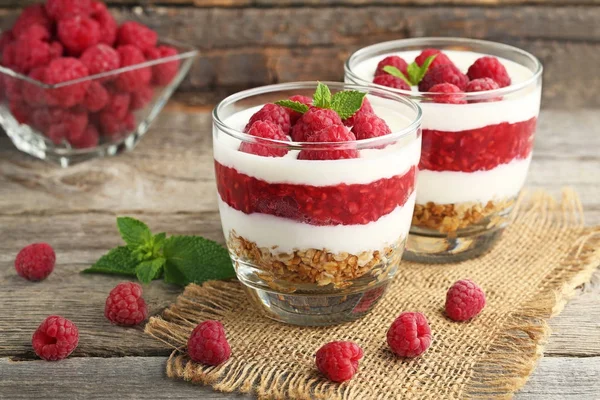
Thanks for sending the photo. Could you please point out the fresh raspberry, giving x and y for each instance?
(272, 113)
(489, 67)
(100, 58)
(56, 50)
(78, 33)
(451, 94)
(409, 335)
(330, 134)
(393, 61)
(338, 361)
(88, 139)
(34, 32)
(108, 25)
(141, 98)
(464, 300)
(312, 121)
(6, 38)
(366, 108)
(134, 80)
(30, 53)
(65, 69)
(163, 73)
(208, 344)
(440, 58)
(295, 115)
(370, 126)
(65, 124)
(125, 305)
(113, 128)
(34, 94)
(118, 105)
(32, 15)
(391, 81)
(136, 34)
(35, 262)
(20, 111)
(445, 73)
(96, 98)
(62, 9)
(55, 338)
(482, 85)
(266, 130)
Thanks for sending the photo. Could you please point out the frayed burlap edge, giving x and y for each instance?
(505, 368)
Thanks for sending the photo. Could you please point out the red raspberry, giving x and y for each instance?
(30, 53)
(136, 34)
(65, 69)
(312, 121)
(366, 108)
(108, 25)
(55, 338)
(56, 50)
(331, 134)
(35, 262)
(141, 98)
(208, 344)
(266, 130)
(489, 67)
(32, 15)
(338, 361)
(440, 58)
(78, 33)
(65, 124)
(134, 80)
(100, 58)
(272, 113)
(409, 335)
(118, 105)
(482, 85)
(12, 87)
(6, 38)
(294, 115)
(464, 300)
(445, 73)
(34, 32)
(125, 305)
(96, 98)
(20, 111)
(62, 9)
(163, 73)
(113, 128)
(393, 61)
(451, 94)
(370, 126)
(34, 94)
(391, 81)
(88, 139)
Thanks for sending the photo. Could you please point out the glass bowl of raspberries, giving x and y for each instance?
(480, 103)
(316, 185)
(74, 84)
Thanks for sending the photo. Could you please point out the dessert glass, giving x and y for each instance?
(475, 156)
(316, 242)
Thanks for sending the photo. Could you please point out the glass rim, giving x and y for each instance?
(188, 52)
(431, 42)
(353, 144)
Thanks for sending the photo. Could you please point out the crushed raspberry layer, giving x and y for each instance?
(478, 149)
(342, 204)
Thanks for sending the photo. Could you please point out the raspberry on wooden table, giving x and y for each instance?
(331, 134)
(294, 115)
(35, 261)
(440, 58)
(448, 93)
(125, 305)
(366, 108)
(370, 126)
(272, 113)
(445, 73)
(312, 121)
(163, 73)
(78, 33)
(266, 130)
(136, 34)
(464, 300)
(391, 81)
(55, 338)
(62, 70)
(394, 61)
(136, 79)
(61, 9)
(409, 335)
(208, 344)
(338, 361)
(489, 67)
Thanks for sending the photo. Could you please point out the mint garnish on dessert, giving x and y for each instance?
(345, 103)
(180, 259)
(415, 71)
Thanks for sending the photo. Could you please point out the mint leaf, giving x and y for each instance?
(159, 240)
(416, 72)
(347, 102)
(135, 233)
(390, 69)
(322, 96)
(147, 271)
(293, 105)
(118, 261)
(195, 259)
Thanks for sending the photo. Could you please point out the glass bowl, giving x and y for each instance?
(316, 242)
(53, 122)
(475, 155)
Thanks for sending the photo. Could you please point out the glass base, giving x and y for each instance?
(443, 249)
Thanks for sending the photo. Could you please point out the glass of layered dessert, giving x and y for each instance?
(480, 103)
(316, 186)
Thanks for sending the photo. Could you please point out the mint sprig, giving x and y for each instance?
(179, 259)
(415, 71)
(293, 105)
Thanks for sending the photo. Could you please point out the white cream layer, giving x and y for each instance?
(289, 235)
(447, 187)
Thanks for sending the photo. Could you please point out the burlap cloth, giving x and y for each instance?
(544, 255)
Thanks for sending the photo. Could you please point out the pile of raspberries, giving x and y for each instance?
(64, 40)
(486, 73)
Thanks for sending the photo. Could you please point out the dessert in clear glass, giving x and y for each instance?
(315, 203)
(480, 103)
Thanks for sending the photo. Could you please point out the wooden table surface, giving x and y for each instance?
(168, 182)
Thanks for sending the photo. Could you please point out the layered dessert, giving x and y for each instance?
(316, 192)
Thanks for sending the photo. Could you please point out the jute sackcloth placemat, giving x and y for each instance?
(543, 256)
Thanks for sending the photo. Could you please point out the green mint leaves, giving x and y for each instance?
(179, 259)
(415, 72)
(345, 103)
